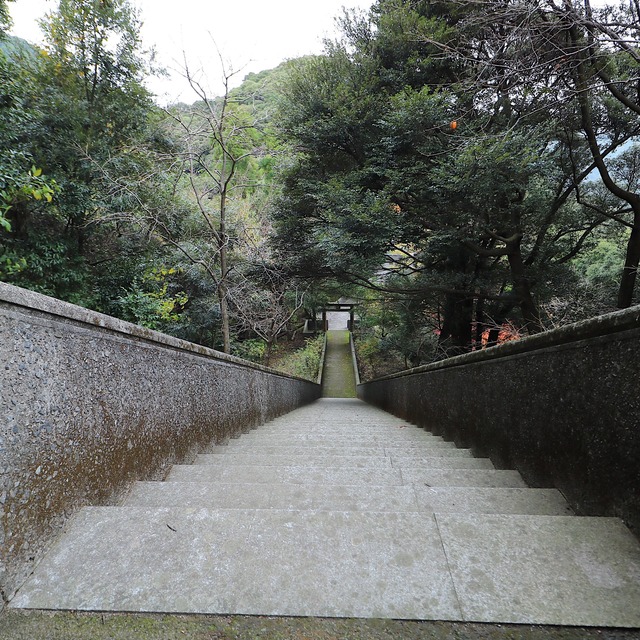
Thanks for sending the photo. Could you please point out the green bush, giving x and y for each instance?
(305, 362)
(252, 350)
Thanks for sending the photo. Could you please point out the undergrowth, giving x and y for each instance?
(304, 362)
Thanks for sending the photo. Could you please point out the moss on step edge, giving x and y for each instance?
(39, 625)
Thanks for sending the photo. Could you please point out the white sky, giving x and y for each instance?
(252, 35)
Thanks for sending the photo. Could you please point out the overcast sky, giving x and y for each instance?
(252, 35)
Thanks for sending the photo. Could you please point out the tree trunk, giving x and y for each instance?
(224, 315)
(494, 333)
(456, 334)
(480, 323)
(224, 271)
(632, 259)
(522, 288)
(268, 352)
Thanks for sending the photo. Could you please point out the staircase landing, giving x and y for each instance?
(341, 510)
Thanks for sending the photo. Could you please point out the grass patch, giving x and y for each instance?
(300, 359)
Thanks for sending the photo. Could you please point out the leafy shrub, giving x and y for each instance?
(305, 362)
(149, 303)
(252, 350)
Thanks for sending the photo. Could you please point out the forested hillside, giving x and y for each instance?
(157, 216)
(467, 170)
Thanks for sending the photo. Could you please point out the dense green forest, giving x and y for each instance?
(468, 171)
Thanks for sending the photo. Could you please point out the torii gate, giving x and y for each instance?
(340, 305)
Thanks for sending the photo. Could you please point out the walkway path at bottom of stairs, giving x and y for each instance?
(338, 378)
(341, 510)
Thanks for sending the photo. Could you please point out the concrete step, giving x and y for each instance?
(315, 430)
(248, 474)
(543, 502)
(458, 459)
(306, 459)
(416, 453)
(273, 496)
(292, 423)
(311, 416)
(340, 425)
(270, 450)
(300, 453)
(472, 567)
(289, 475)
(249, 439)
(348, 498)
(323, 449)
(317, 433)
(419, 445)
(488, 478)
(441, 462)
(356, 411)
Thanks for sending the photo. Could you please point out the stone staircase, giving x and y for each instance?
(339, 509)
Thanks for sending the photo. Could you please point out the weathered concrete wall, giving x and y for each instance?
(562, 407)
(89, 404)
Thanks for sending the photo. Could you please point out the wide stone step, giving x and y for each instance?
(274, 496)
(419, 445)
(441, 462)
(323, 449)
(249, 439)
(348, 498)
(543, 502)
(283, 450)
(342, 418)
(264, 562)
(362, 440)
(483, 568)
(355, 415)
(380, 461)
(310, 453)
(462, 478)
(288, 475)
(460, 460)
(248, 474)
(427, 452)
(337, 429)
